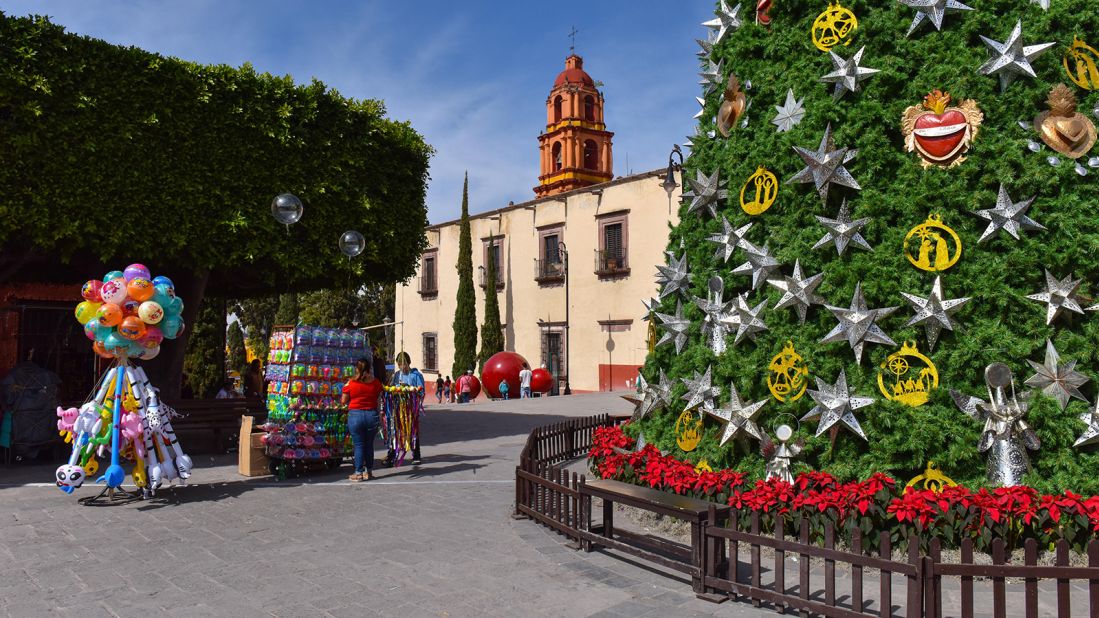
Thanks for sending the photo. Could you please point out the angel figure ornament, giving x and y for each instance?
(732, 107)
(1006, 435)
(1062, 128)
(780, 455)
(939, 133)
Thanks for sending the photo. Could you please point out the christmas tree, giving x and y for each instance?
(904, 162)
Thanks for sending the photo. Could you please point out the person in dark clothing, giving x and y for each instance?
(252, 380)
(378, 363)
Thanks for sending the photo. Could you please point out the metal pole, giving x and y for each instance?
(568, 348)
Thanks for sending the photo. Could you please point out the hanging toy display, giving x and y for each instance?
(764, 186)
(939, 133)
(401, 420)
(127, 315)
(1081, 62)
(1063, 128)
(835, 25)
(932, 245)
(901, 379)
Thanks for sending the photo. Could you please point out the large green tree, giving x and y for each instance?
(897, 194)
(237, 357)
(492, 336)
(204, 361)
(111, 155)
(257, 315)
(465, 315)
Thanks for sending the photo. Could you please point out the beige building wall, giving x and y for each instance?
(606, 331)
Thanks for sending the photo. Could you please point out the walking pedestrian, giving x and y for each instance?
(465, 386)
(406, 375)
(524, 382)
(360, 395)
(447, 387)
(503, 388)
(439, 386)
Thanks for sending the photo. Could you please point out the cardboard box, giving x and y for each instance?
(251, 458)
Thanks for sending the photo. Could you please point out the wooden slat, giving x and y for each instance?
(818, 552)
(915, 582)
(967, 580)
(1030, 558)
(856, 571)
(803, 564)
(999, 599)
(780, 565)
(933, 602)
(885, 551)
(763, 594)
(734, 550)
(755, 581)
(1093, 585)
(1064, 602)
(829, 565)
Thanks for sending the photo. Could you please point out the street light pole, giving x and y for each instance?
(669, 183)
(568, 349)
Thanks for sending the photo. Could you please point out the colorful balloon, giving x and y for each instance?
(150, 353)
(114, 274)
(152, 337)
(113, 292)
(109, 314)
(116, 343)
(91, 329)
(90, 291)
(86, 311)
(150, 312)
(132, 328)
(129, 307)
(171, 326)
(99, 349)
(140, 289)
(162, 280)
(136, 271)
(174, 307)
(163, 294)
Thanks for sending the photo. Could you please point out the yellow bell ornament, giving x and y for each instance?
(835, 25)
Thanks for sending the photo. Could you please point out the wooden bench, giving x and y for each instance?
(683, 559)
(213, 425)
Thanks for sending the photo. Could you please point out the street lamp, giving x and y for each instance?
(669, 183)
(564, 252)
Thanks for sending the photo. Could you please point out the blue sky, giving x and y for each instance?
(472, 76)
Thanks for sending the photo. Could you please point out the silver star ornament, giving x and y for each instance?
(825, 166)
(858, 324)
(651, 306)
(706, 46)
(847, 73)
(711, 77)
(842, 231)
(1091, 434)
(738, 416)
(798, 291)
(934, 311)
(1011, 58)
(652, 396)
(675, 327)
(726, 21)
(706, 192)
(745, 319)
(674, 277)
(1060, 295)
(1061, 382)
(1042, 3)
(933, 11)
(760, 264)
(1008, 216)
(729, 240)
(702, 107)
(790, 113)
(713, 309)
(700, 390)
(836, 405)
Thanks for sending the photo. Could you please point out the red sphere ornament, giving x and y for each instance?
(541, 380)
(475, 388)
(500, 367)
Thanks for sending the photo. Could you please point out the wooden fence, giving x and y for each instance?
(733, 567)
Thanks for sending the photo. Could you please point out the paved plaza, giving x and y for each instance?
(434, 540)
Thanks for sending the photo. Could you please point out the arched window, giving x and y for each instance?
(589, 108)
(557, 108)
(591, 155)
(557, 163)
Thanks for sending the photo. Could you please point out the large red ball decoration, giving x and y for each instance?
(502, 366)
(541, 380)
(474, 388)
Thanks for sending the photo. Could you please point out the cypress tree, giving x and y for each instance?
(238, 356)
(465, 315)
(492, 340)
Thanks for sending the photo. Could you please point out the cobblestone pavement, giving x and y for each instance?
(434, 540)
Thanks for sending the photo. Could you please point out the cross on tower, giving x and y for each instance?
(572, 36)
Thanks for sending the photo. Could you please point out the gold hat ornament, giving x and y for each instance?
(732, 107)
(1062, 128)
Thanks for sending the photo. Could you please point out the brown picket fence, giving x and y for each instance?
(823, 580)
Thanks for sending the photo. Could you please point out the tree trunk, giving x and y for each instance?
(166, 370)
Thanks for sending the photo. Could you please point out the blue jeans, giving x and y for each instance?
(363, 427)
(524, 392)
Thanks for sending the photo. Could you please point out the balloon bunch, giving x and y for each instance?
(129, 313)
(401, 420)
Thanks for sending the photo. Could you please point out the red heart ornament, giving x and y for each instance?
(940, 136)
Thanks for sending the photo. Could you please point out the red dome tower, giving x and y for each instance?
(576, 146)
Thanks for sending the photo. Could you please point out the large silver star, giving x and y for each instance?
(1060, 294)
(675, 327)
(1011, 58)
(725, 22)
(932, 10)
(652, 396)
(1042, 3)
(745, 319)
(700, 390)
(729, 240)
(651, 306)
(674, 277)
(1062, 382)
(1008, 216)
(847, 73)
(760, 263)
(842, 231)
(934, 311)
(798, 291)
(737, 415)
(790, 113)
(857, 325)
(706, 192)
(702, 108)
(836, 405)
(706, 46)
(711, 77)
(713, 309)
(1091, 434)
(825, 166)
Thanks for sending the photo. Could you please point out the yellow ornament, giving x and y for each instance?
(703, 466)
(932, 478)
(766, 189)
(834, 26)
(650, 337)
(937, 247)
(688, 431)
(900, 379)
(1081, 62)
(789, 374)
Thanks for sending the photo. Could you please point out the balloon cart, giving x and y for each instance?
(306, 425)
(127, 315)
(401, 420)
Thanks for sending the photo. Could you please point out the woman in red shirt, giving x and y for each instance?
(360, 395)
